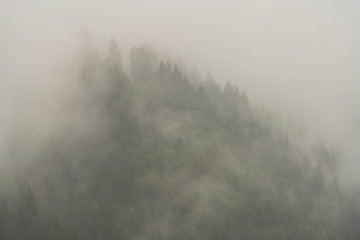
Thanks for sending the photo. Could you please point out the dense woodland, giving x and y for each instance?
(157, 152)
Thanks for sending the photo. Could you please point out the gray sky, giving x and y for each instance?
(296, 56)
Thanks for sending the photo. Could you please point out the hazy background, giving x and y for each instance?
(297, 57)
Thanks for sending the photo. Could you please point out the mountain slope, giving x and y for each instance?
(156, 155)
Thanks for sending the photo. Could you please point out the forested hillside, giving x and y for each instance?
(155, 152)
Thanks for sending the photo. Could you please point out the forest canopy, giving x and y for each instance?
(154, 152)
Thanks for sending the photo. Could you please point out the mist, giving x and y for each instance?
(297, 59)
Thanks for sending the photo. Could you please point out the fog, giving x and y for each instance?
(296, 61)
(296, 57)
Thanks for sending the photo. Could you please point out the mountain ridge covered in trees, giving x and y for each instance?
(156, 154)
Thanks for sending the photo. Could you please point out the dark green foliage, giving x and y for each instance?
(156, 157)
(7, 221)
